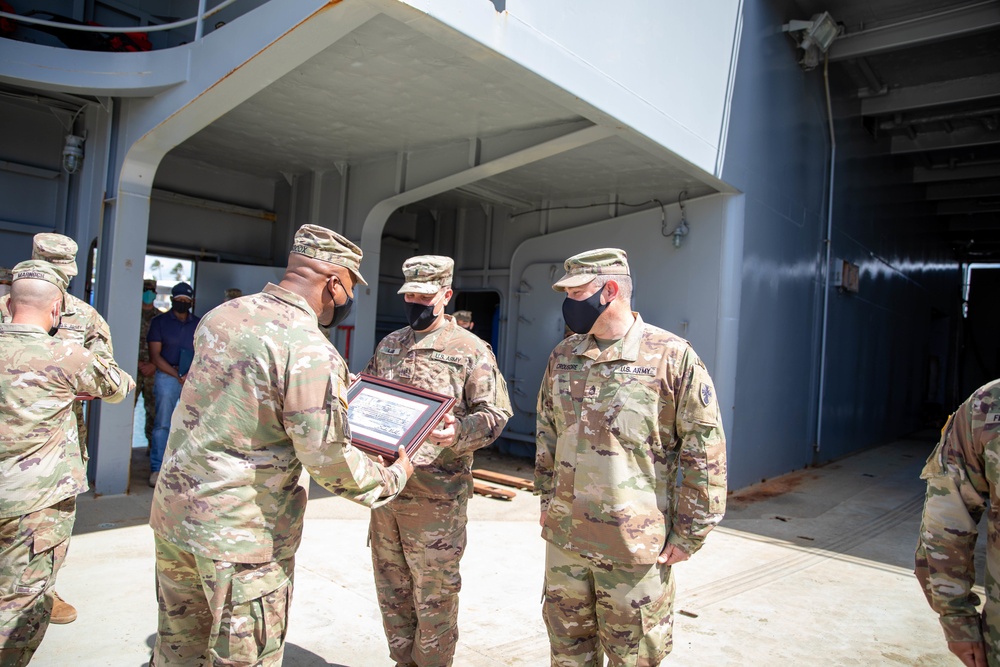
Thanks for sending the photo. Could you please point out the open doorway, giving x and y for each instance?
(485, 308)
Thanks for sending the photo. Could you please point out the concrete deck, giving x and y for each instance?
(813, 568)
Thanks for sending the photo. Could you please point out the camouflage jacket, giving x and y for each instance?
(145, 317)
(453, 362)
(962, 478)
(40, 458)
(613, 428)
(81, 323)
(266, 395)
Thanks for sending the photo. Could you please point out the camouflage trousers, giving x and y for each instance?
(144, 386)
(219, 613)
(32, 549)
(592, 606)
(417, 544)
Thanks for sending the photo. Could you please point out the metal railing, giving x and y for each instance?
(198, 20)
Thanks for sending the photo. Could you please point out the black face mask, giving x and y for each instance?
(55, 326)
(340, 312)
(420, 316)
(181, 307)
(581, 315)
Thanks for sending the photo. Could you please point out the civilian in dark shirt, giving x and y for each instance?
(171, 348)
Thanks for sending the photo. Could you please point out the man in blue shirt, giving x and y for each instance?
(171, 348)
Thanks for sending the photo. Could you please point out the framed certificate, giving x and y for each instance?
(384, 415)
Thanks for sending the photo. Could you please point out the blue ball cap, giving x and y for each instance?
(182, 289)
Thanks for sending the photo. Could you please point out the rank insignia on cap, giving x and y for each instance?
(706, 394)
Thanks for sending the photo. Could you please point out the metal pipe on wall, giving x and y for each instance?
(826, 263)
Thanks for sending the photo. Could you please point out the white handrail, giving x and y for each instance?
(99, 28)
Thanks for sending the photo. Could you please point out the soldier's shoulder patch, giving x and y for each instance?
(390, 351)
(706, 394)
(448, 358)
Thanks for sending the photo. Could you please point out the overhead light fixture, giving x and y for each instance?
(72, 153)
(817, 35)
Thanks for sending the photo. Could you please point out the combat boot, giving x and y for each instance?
(62, 611)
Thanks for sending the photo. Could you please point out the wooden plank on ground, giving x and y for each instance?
(492, 491)
(506, 480)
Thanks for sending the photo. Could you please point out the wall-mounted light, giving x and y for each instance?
(817, 35)
(72, 153)
(682, 229)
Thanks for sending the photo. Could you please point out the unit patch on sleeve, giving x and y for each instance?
(390, 351)
(706, 394)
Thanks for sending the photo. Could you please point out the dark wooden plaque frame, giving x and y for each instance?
(414, 432)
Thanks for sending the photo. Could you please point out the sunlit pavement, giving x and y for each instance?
(810, 569)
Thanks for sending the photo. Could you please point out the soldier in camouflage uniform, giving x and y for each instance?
(463, 318)
(40, 459)
(625, 410)
(82, 324)
(5, 276)
(147, 370)
(265, 396)
(418, 539)
(962, 483)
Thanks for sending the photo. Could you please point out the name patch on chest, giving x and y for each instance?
(447, 358)
(390, 351)
(636, 370)
(567, 367)
(993, 418)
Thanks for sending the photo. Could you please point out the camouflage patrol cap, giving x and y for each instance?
(427, 274)
(37, 269)
(584, 267)
(463, 315)
(148, 284)
(56, 249)
(328, 246)
(5, 275)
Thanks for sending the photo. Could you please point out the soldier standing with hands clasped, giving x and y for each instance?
(963, 482)
(266, 395)
(625, 409)
(418, 539)
(41, 462)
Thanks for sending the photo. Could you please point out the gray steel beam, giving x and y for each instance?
(933, 94)
(962, 173)
(942, 191)
(917, 31)
(936, 141)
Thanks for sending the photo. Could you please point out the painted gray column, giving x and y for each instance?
(121, 260)
(730, 293)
